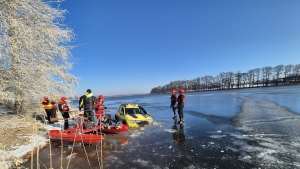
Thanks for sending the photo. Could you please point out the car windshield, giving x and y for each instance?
(134, 111)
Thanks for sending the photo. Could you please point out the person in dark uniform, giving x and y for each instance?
(173, 103)
(180, 105)
(87, 102)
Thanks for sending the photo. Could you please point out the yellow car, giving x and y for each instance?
(132, 115)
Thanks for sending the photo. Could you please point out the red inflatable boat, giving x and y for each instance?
(74, 137)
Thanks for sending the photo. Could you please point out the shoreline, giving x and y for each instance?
(22, 137)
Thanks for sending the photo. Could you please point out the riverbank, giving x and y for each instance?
(21, 137)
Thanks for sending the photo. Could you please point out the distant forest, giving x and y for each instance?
(259, 77)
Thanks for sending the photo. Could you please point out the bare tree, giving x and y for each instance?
(245, 79)
(278, 70)
(238, 78)
(296, 71)
(230, 77)
(35, 58)
(251, 77)
(257, 75)
(287, 71)
(193, 85)
(223, 79)
(266, 71)
(198, 83)
(207, 80)
(218, 81)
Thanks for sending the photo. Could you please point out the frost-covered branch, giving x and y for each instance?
(34, 54)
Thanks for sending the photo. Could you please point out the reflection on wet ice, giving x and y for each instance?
(178, 136)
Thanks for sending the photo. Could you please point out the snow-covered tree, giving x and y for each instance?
(34, 53)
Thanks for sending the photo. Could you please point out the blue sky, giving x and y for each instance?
(131, 46)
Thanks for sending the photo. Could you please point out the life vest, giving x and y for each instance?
(63, 107)
(181, 98)
(99, 107)
(54, 105)
(47, 105)
(173, 99)
(184, 98)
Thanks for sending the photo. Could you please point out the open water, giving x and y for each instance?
(240, 128)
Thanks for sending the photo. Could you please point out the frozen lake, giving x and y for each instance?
(246, 128)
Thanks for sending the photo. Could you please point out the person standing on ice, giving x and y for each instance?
(48, 108)
(104, 119)
(64, 109)
(87, 102)
(173, 103)
(99, 107)
(180, 105)
(54, 107)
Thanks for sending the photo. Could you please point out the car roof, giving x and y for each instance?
(130, 105)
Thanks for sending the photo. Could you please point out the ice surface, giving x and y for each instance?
(248, 128)
(272, 129)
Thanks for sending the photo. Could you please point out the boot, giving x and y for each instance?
(175, 117)
(181, 121)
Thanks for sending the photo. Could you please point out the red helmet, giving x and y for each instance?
(101, 97)
(63, 98)
(173, 90)
(181, 90)
(45, 97)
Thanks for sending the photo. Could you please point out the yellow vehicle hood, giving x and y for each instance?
(138, 117)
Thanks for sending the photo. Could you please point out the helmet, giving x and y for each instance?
(173, 90)
(53, 99)
(101, 97)
(45, 97)
(181, 90)
(63, 98)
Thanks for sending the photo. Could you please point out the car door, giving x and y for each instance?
(121, 113)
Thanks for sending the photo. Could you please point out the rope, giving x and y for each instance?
(38, 148)
(62, 145)
(72, 149)
(50, 150)
(85, 151)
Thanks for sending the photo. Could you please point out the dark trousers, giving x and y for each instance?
(180, 112)
(48, 112)
(53, 113)
(91, 118)
(174, 110)
(66, 116)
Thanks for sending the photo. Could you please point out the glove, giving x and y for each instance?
(105, 107)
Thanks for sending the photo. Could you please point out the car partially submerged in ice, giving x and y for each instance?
(132, 115)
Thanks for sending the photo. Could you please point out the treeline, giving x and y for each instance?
(266, 76)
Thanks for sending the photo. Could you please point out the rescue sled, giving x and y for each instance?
(105, 126)
(99, 128)
(70, 136)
